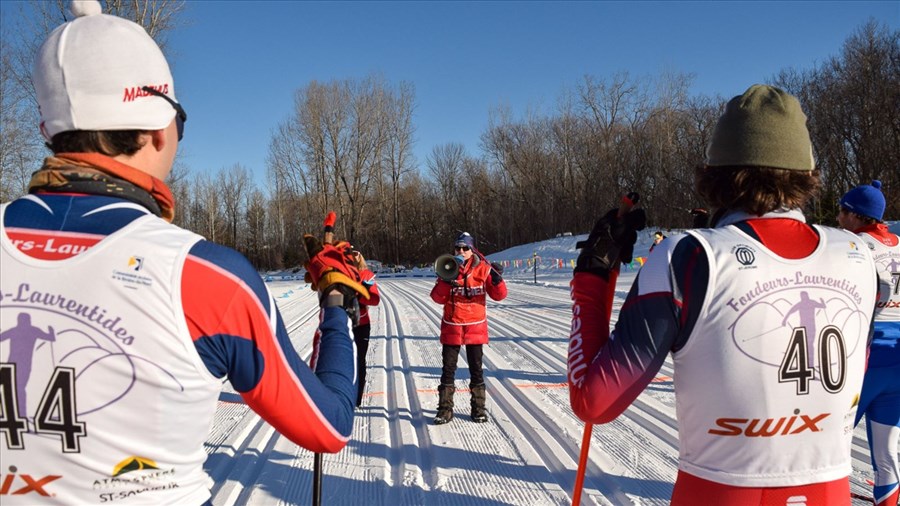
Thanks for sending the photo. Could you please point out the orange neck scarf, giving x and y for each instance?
(56, 169)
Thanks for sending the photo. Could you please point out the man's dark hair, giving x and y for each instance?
(107, 142)
(756, 190)
(868, 220)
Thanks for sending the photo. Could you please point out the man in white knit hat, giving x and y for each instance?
(118, 328)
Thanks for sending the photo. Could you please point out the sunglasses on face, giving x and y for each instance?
(461, 248)
(180, 115)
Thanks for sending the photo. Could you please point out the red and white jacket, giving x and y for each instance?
(465, 312)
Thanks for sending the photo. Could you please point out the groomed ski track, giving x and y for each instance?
(525, 455)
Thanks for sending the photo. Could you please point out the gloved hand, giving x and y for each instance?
(329, 271)
(496, 273)
(611, 241)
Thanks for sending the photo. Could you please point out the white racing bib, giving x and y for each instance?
(104, 396)
(887, 263)
(768, 382)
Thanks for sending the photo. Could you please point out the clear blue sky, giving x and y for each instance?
(238, 63)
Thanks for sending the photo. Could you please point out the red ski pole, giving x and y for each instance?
(627, 204)
(582, 464)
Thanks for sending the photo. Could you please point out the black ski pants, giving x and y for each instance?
(361, 338)
(474, 352)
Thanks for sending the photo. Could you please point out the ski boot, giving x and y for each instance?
(479, 395)
(445, 404)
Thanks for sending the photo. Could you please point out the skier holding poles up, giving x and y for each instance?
(760, 421)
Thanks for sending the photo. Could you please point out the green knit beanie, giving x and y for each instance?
(764, 127)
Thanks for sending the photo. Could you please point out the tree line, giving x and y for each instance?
(347, 146)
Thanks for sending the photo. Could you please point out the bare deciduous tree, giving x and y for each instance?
(235, 186)
(20, 148)
(347, 147)
(852, 101)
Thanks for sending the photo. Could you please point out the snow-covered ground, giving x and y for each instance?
(526, 455)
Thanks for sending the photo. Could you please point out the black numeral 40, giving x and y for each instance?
(795, 365)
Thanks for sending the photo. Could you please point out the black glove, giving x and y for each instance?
(496, 273)
(347, 299)
(611, 241)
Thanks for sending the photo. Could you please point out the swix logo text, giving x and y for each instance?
(769, 427)
(21, 484)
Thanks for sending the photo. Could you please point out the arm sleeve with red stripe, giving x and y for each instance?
(607, 372)
(239, 334)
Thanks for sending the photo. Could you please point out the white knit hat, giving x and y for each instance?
(89, 73)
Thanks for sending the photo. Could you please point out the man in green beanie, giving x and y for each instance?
(767, 319)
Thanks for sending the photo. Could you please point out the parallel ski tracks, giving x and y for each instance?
(659, 423)
(655, 420)
(250, 434)
(511, 408)
(524, 415)
(242, 445)
(395, 339)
